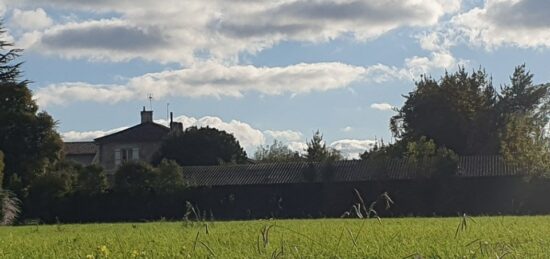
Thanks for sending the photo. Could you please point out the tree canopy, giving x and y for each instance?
(27, 137)
(463, 112)
(277, 152)
(317, 150)
(202, 146)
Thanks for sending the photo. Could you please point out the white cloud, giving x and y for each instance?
(297, 146)
(285, 135)
(221, 29)
(88, 135)
(382, 106)
(438, 60)
(521, 23)
(352, 148)
(31, 19)
(214, 79)
(2, 9)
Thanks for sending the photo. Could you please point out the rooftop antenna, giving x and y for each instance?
(167, 111)
(150, 97)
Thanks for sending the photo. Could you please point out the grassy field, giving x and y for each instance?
(482, 237)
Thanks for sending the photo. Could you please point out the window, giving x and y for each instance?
(126, 154)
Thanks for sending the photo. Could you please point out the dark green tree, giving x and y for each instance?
(91, 180)
(169, 177)
(134, 178)
(277, 152)
(141, 178)
(202, 146)
(457, 112)
(27, 137)
(317, 150)
(525, 115)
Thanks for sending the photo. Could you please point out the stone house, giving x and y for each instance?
(137, 143)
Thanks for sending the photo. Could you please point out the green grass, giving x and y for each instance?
(482, 237)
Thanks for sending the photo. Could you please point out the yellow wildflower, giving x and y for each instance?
(103, 251)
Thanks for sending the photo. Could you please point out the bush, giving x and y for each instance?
(431, 160)
(134, 177)
(141, 178)
(91, 180)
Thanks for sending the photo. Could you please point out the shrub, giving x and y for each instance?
(138, 177)
(91, 180)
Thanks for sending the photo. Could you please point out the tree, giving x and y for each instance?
(431, 160)
(169, 177)
(525, 116)
(277, 152)
(27, 137)
(317, 151)
(134, 178)
(201, 146)
(457, 112)
(91, 180)
(464, 113)
(141, 178)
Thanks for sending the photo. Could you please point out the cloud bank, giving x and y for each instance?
(176, 31)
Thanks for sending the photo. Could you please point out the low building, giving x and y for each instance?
(84, 153)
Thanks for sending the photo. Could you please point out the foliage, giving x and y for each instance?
(458, 112)
(525, 137)
(169, 176)
(464, 113)
(27, 137)
(51, 186)
(202, 146)
(526, 146)
(141, 178)
(485, 237)
(430, 159)
(91, 180)
(317, 151)
(134, 177)
(277, 152)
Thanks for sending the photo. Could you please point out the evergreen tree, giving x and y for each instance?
(27, 137)
(317, 151)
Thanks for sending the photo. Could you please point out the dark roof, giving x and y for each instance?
(80, 148)
(148, 131)
(343, 171)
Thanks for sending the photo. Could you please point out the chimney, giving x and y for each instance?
(175, 126)
(146, 116)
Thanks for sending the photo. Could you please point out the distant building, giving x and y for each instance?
(137, 143)
(84, 153)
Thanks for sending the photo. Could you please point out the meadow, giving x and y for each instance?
(459, 237)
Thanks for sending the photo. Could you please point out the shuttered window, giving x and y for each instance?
(126, 154)
(135, 153)
(117, 156)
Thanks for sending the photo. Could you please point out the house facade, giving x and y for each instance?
(137, 143)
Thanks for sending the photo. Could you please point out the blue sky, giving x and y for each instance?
(262, 70)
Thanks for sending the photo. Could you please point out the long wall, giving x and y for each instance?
(436, 197)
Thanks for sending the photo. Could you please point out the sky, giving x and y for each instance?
(262, 70)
